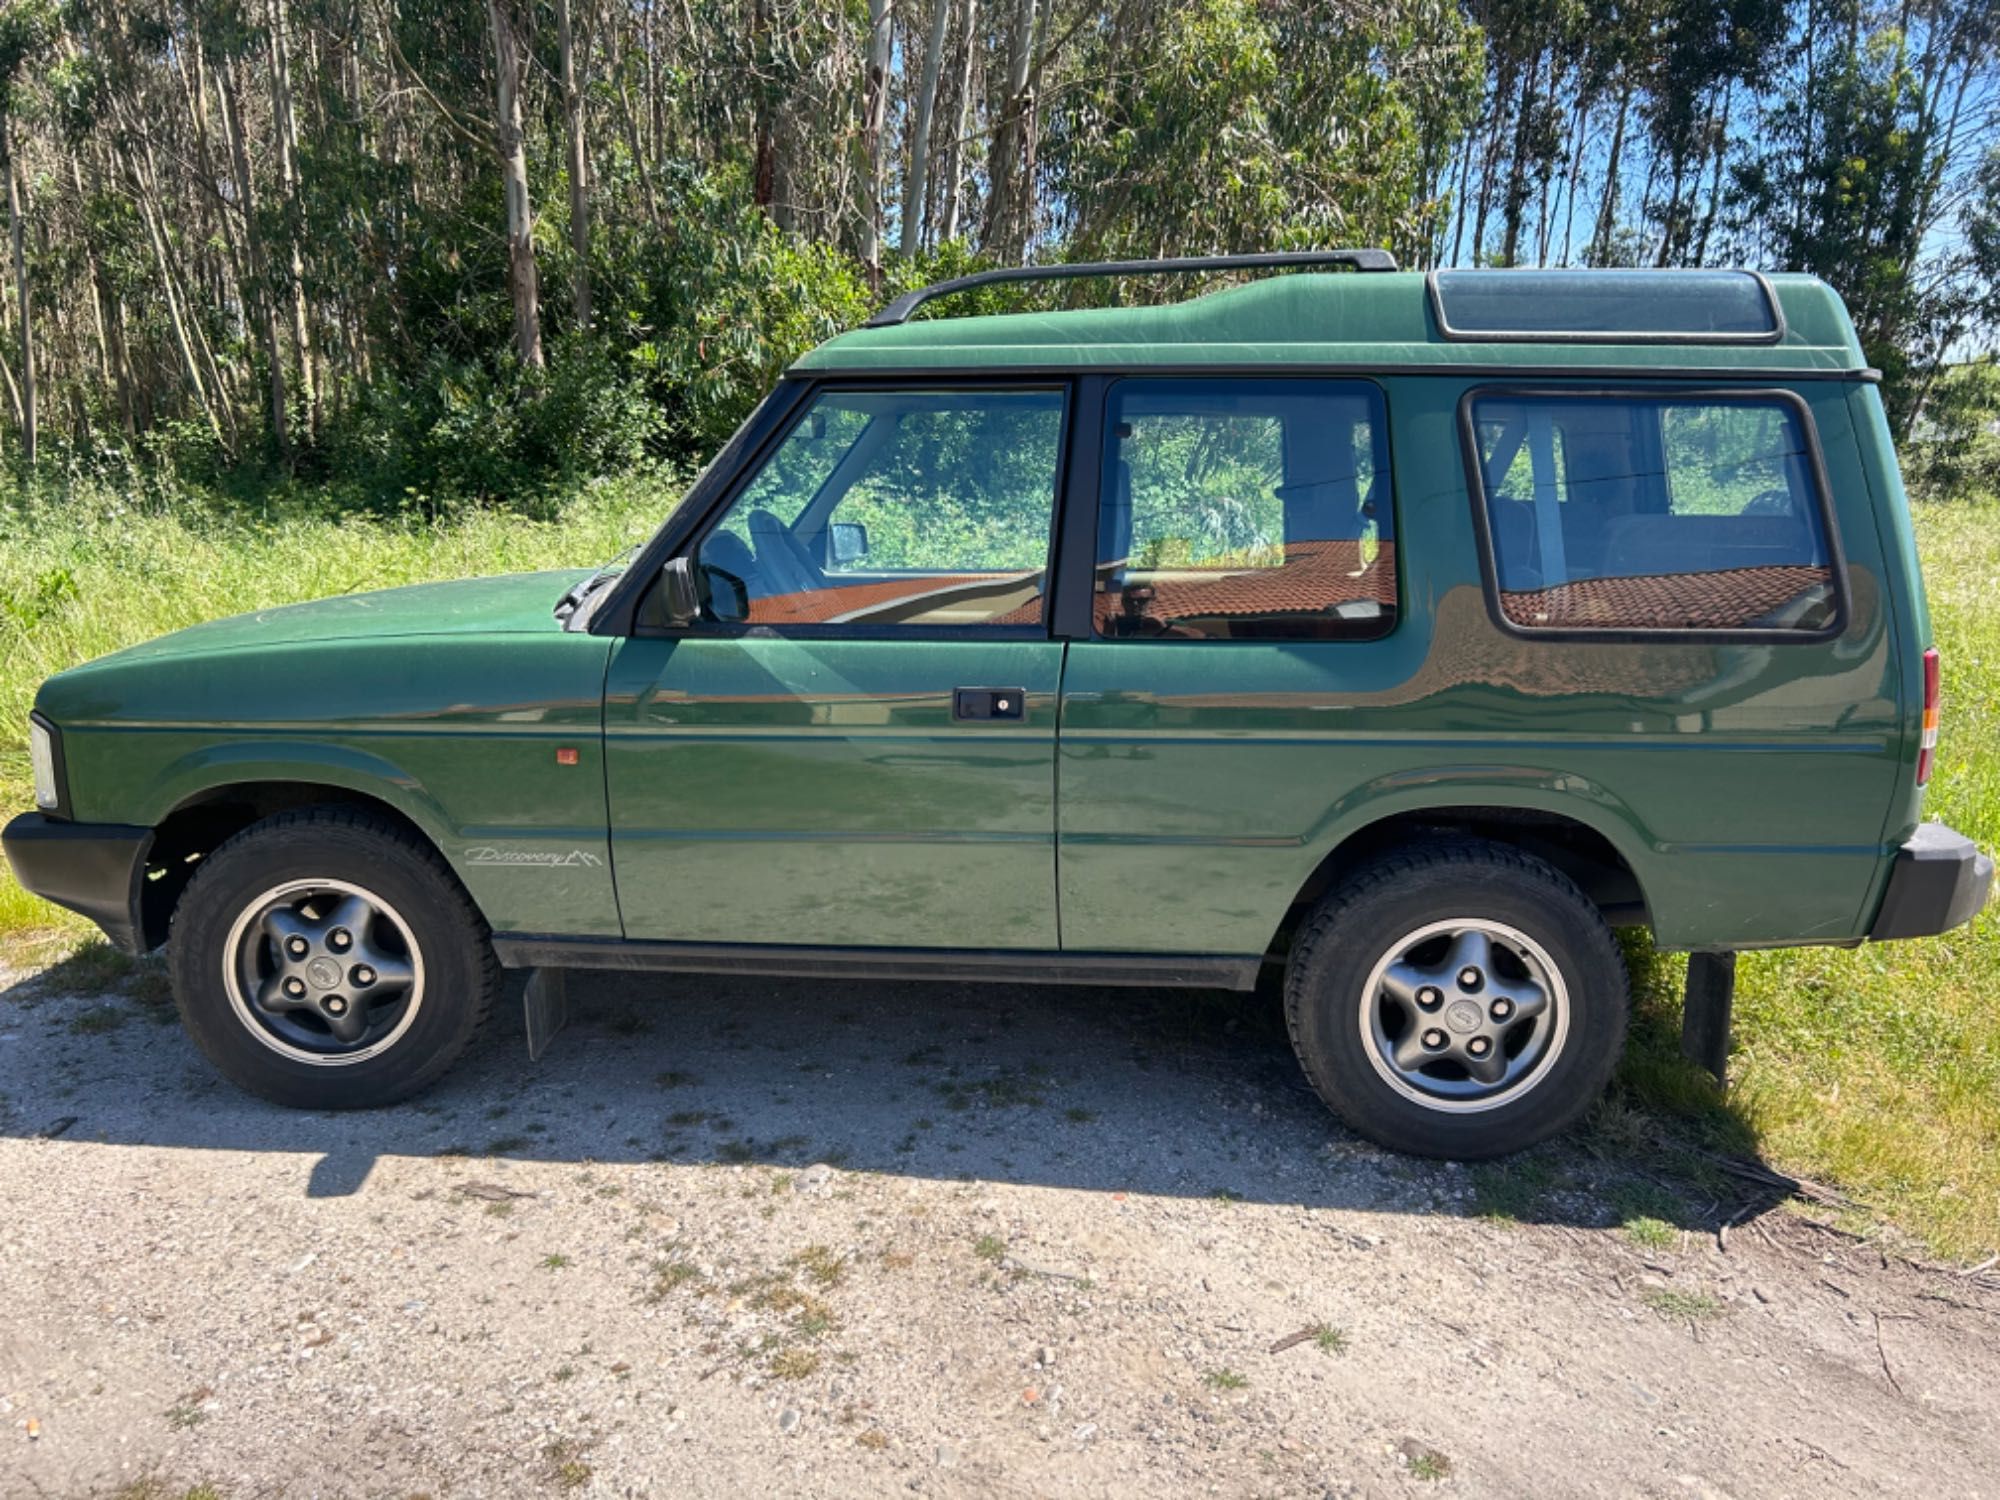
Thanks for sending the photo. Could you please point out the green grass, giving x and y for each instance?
(1329, 1339)
(1682, 1307)
(1877, 1069)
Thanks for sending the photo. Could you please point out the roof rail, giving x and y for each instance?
(900, 310)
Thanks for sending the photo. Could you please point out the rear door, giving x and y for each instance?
(1242, 619)
(855, 744)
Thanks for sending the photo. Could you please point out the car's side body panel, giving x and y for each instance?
(1745, 784)
(767, 789)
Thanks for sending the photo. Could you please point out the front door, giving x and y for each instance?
(855, 743)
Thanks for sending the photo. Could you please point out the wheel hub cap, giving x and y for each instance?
(1502, 1023)
(323, 972)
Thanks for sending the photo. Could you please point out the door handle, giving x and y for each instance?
(988, 703)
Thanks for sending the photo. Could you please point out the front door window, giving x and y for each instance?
(885, 508)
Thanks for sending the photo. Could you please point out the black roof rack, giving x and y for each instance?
(1361, 260)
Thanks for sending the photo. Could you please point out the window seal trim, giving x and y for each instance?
(1434, 296)
(1482, 522)
(688, 533)
(1373, 379)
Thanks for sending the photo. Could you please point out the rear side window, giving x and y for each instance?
(1245, 510)
(1651, 513)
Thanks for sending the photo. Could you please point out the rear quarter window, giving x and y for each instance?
(1648, 512)
(1245, 509)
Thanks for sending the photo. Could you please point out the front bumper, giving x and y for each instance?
(1939, 880)
(98, 869)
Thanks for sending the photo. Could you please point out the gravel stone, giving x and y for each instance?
(197, 1287)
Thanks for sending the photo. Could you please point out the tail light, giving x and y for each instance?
(1927, 746)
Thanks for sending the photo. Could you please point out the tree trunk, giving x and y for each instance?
(1607, 209)
(1003, 162)
(1514, 199)
(285, 129)
(262, 293)
(874, 110)
(954, 159)
(1586, 104)
(763, 130)
(189, 363)
(578, 163)
(1721, 137)
(16, 229)
(522, 282)
(917, 183)
(13, 390)
(1503, 94)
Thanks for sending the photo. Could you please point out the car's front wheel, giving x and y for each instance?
(327, 959)
(1459, 1000)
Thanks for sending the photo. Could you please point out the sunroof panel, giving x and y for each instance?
(1612, 307)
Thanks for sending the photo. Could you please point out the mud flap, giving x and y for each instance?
(1705, 1009)
(546, 1002)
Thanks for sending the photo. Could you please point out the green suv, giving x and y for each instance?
(1392, 637)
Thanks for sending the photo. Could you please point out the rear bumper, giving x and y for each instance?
(93, 868)
(1939, 881)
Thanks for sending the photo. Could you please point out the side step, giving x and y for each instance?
(519, 950)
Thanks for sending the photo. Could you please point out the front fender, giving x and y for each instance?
(217, 766)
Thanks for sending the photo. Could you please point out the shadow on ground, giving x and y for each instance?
(1171, 1093)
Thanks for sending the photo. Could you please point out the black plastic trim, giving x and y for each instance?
(519, 950)
(1939, 881)
(1075, 561)
(1774, 335)
(900, 310)
(96, 869)
(1489, 573)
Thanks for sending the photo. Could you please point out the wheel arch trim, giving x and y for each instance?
(1457, 792)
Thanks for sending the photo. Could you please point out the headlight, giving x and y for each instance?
(42, 754)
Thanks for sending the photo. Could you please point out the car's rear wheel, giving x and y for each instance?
(328, 959)
(1460, 1000)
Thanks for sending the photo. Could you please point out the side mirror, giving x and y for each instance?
(847, 541)
(678, 601)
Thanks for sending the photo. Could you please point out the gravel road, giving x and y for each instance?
(750, 1237)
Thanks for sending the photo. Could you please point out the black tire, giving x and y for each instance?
(1359, 924)
(460, 977)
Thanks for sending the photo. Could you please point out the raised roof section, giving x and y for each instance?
(1607, 307)
(1380, 323)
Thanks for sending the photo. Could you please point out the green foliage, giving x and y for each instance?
(1224, 125)
(1954, 451)
(477, 430)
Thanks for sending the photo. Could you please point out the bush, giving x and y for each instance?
(469, 431)
(1954, 453)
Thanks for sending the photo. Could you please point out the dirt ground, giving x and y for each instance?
(753, 1237)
